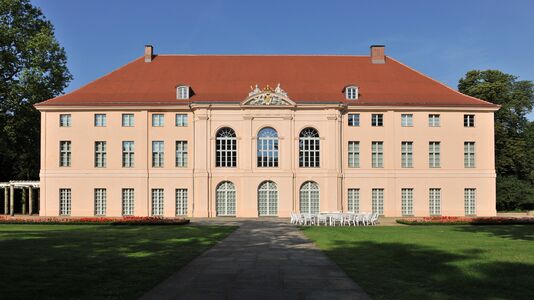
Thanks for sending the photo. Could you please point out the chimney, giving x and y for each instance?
(149, 53)
(377, 54)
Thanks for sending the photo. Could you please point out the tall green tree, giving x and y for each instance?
(33, 68)
(514, 134)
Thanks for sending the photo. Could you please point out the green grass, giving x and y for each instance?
(95, 261)
(434, 262)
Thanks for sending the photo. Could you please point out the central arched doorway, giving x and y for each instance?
(225, 205)
(267, 199)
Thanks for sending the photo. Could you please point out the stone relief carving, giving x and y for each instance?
(267, 96)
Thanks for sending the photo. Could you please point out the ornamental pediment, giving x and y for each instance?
(267, 97)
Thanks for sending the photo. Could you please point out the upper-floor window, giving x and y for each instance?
(309, 152)
(182, 92)
(64, 120)
(100, 120)
(377, 155)
(127, 120)
(354, 154)
(434, 154)
(469, 120)
(158, 120)
(351, 92)
(354, 119)
(407, 154)
(377, 120)
(158, 154)
(469, 154)
(181, 153)
(181, 120)
(226, 148)
(128, 154)
(267, 147)
(100, 154)
(406, 120)
(65, 153)
(434, 120)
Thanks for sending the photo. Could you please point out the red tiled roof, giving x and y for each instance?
(227, 78)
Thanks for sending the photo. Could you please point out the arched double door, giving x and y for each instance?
(267, 199)
(309, 197)
(225, 199)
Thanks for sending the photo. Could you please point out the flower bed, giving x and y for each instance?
(466, 221)
(94, 220)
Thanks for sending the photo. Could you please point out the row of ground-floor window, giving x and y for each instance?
(267, 198)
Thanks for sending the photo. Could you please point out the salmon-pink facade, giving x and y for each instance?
(402, 157)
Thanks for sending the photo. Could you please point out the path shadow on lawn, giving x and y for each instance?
(513, 232)
(408, 271)
(96, 262)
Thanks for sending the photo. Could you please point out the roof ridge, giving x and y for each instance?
(238, 55)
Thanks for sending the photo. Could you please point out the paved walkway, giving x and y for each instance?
(260, 260)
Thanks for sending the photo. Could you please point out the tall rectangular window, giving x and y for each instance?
(157, 154)
(470, 202)
(100, 202)
(377, 154)
(181, 153)
(128, 120)
(100, 154)
(64, 120)
(377, 120)
(128, 154)
(354, 200)
(406, 120)
(469, 120)
(434, 120)
(181, 120)
(64, 202)
(434, 201)
(65, 153)
(407, 202)
(354, 119)
(434, 154)
(181, 202)
(158, 120)
(354, 154)
(377, 201)
(128, 202)
(157, 202)
(407, 154)
(100, 120)
(469, 154)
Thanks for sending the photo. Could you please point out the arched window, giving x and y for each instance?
(267, 147)
(309, 197)
(225, 199)
(268, 199)
(309, 148)
(226, 148)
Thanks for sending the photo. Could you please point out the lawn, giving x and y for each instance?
(437, 262)
(95, 261)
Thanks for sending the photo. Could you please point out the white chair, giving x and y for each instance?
(336, 218)
(374, 219)
(309, 219)
(348, 218)
(366, 219)
(322, 218)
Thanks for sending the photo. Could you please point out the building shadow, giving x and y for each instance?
(512, 232)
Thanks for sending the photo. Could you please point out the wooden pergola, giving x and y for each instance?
(28, 200)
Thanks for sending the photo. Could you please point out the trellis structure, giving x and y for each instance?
(28, 200)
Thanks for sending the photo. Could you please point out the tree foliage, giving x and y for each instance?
(514, 134)
(33, 68)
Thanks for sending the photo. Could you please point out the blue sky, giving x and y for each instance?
(443, 39)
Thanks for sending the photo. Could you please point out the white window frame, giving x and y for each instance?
(377, 200)
(100, 154)
(309, 197)
(434, 154)
(267, 199)
(434, 201)
(470, 205)
(351, 93)
(267, 148)
(377, 120)
(182, 92)
(181, 154)
(377, 154)
(158, 120)
(128, 154)
(407, 120)
(128, 202)
(407, 154)
(309, 148)
(157, 202)
(158, 154)
(434, 120)
(353, 200)
(469, 154)
(353, 120)
(128, 120)
(65, 153)
(65, 120)
(354, 154)
(407, 201)
(181, 120)
(65, 202)
(181, 202)
(100, 201)
(100, 120)
(226, 199)
(226, 148)
(469, 120)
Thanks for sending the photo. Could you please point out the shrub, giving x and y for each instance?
(465, 220)
(94, 220)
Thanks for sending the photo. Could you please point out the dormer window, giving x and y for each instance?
(182, 92)
(351, 92)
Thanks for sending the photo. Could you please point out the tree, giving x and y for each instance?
(33, 68)
(514, 134)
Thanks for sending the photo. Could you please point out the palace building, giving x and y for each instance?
(266, 135)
